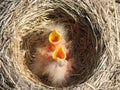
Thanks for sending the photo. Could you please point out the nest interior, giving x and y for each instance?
(81, 29)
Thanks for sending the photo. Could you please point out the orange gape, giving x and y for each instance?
(59, 54)
(55, 45)
(54, 39)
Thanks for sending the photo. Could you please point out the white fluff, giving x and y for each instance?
(57, 74)
(60, 28)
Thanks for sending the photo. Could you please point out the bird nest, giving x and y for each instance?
(30, 28)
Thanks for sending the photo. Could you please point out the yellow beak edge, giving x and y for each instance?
(54, 37)
(59, 54)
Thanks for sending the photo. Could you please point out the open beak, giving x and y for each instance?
(59, 54)
(54, 37)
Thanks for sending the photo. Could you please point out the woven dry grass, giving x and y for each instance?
(92, 27)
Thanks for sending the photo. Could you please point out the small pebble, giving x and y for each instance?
(61, 63)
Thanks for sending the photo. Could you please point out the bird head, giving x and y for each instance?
(54, 37)
(59, 54)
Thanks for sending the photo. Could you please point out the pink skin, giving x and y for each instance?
(45, 53)
(42, 59)
(61, 43)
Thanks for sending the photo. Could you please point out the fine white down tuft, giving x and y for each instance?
(58, 74)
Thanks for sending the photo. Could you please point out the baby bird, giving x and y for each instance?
(59, 69)
(52, 60)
